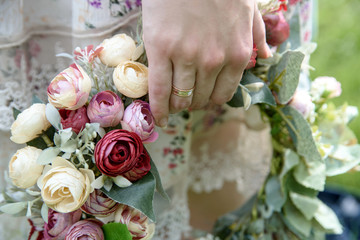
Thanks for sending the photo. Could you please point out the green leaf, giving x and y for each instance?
(342, 159)
(291, 159)
(69, 146)
(301, 134)
(264, 95)
(291, 183)
(44, 212)
(296, 220)
(13, 208)
(306, 205)
(327, 219)
(16, 112)
(139, 195)
(116, 231)
(311, 175)
(274, 195)
(285, 75)
(237, 100)
(159, 186)
(53, 115)
(48, 155)
(36, 99)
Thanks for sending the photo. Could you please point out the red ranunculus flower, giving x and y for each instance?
(277, 29)
(76, 119)
(141, 168)
(118, 152)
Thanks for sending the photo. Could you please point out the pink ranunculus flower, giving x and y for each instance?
(137, 223)
(75, 119)
(277, 29)
(59, 224)
(106, 108)
(69, 89)
(99, 205)
(86, 229)
(139, 119)
(325, 87)
(302, 102)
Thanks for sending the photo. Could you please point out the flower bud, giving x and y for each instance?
(277, 29)
(106, 108)
(131, 79)
(29, 124)
(23, 169)
(59, 223)
(99, 205)
(325, 87)
(86, 229)
(69, 89)
(137, 223)
(117, 49)
(139, 119)
(302, 102)
(75, 119)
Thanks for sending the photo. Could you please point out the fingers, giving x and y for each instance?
(160, 75)
(183, 79)
(260, 36)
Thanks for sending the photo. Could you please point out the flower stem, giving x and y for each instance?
(47, 140)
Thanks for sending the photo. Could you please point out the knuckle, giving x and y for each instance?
(180, 105)
(241, 56)
(214, 61)
(221, 99)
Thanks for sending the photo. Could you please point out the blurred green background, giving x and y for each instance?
(338, 55)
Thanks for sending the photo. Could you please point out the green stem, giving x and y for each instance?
(288, 122)
(47, 140)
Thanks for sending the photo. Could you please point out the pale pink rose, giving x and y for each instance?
(75, 119)
(86, 229)
(137, 223)
(325, 87)
(69, 89)
(59, 224)
(139, 119)
(99, 205)
(302, 102)
(106, 108)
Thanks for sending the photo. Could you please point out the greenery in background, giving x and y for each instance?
(338, 55)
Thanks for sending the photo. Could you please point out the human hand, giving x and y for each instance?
(201, 43)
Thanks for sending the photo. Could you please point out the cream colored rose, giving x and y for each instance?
(29, 124)
(23, 169)
(63, 187)
(131, 79)
(117, 49)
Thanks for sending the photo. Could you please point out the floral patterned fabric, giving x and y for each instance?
(198, 150)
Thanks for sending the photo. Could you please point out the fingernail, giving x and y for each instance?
(163, 122)
(269, 53)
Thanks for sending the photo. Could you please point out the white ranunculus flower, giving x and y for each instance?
(65, 188)
(117, 49)
(325, 87)
(131, 79)
(29, 124)
(23, 169)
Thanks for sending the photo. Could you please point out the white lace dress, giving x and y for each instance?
(199, 151)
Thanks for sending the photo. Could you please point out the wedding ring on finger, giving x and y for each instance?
(182, 92)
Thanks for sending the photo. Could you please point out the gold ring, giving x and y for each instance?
(182, 92)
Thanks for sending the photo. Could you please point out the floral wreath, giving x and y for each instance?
(86, 173)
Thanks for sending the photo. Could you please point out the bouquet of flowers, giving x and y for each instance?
(310, 138)
(85, 172)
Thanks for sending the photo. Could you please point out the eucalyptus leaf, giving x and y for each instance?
(262, 95)
(44, 212)
(48, 155)
(257, 226)
(139, 195)
(274, 195)
(297, 220)
(342, 159)
(36, 99)
(13, 208)
(16, 112)
(301, 134)
(285, 75)
(306, 205)
(311, 175)
(65, 135)
(53, 116)
(70, 146)
(291, 159)
(159, 186)
(116, 231)
(327, 219)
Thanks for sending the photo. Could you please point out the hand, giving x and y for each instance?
(201, 43)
